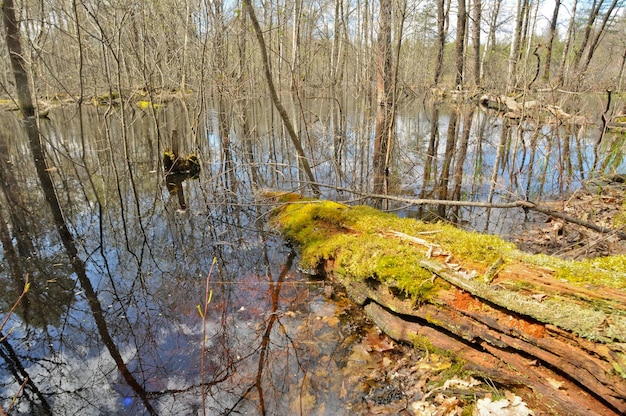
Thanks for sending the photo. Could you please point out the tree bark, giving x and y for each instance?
(560, 78)
(441, 40)
(596, 37)
(476, 21)
(384, 108)
(515, 51)
(510, 321)
(491, 36)
(591, 20)
(461, 22)
(550, 42)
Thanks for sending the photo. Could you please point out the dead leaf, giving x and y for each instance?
(378, 343)
(512, 406)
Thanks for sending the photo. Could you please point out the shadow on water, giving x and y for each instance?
(118, 254)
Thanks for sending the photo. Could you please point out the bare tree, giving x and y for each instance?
(492, 19)
(550, 41)
(295, 139)
(516, 44)
(441, 39)
(476, 21)
(384, 113)
(461, 22)
(560, 78)
(589, 24)
(593, 44)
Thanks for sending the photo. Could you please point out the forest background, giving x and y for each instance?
(373, 52)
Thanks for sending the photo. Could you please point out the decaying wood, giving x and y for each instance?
(574, 363)
(532, 109)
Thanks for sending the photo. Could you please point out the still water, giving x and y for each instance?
(120, 328)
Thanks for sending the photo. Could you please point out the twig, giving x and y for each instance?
(19, 299)
(208, 295)
(515, 204)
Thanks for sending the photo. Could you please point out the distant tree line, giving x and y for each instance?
(80, 47)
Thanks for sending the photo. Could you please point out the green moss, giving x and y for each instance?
(609, 271)
(360, 242)
(619, 365)
(422, 343)
(326, 230)
(143, 104)
(355, 238)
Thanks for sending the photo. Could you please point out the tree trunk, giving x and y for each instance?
(596, 37)
(384, 110)
(560, 78)
(295, 139)
(550, 42)
(461, 22)
(591, 20)
(491, 36)
(441, 40)
(507, 315)
(515, 50)
(476, 20)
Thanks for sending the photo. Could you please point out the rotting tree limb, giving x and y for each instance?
(505, 205)
(525, 326)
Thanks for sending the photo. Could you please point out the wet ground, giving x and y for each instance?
(600, 201)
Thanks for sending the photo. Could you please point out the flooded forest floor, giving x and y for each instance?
(601, 201)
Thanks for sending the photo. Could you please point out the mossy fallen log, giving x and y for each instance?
(511, 108)
(558, 327)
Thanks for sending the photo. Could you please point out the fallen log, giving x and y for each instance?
(531, 109)
(555, 326)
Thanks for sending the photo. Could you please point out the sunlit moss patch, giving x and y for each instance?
(608, 271)
(144, 105)
(357, 241)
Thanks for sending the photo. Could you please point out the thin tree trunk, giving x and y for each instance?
(593, 14)
(596, 38)
(491, 36)
(476, 20)
(515, 45)
(560, 78)
(295, 139)
(550, 42)
(384, 110)
(441, 40)
(461, 21)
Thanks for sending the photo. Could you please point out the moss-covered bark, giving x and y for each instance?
(483, 297)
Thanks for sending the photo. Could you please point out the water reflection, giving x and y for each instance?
(111, 326)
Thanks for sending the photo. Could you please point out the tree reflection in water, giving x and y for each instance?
(117, 269)
(110, 325)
